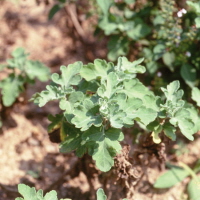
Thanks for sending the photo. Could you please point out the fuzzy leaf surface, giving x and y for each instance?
(169, 131)
(184, 122)
(69, 75)
(196, 95)
(36, 69)
(109, 86)
(106, 145)
(100, 69)
(86, 115)
(29, 193)
(130, 67)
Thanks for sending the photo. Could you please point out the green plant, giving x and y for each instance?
(21, 72)
(165, 32)
(177, 174)
(98, 99)
(29, 193)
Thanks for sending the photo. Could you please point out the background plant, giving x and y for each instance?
(166, 33)
(176, 174)
(30, 193)
(20, 72)
(23, 71)
(98, 99)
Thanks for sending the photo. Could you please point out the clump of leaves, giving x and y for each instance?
(23, 71)
(165, 32)
(29, 193)
(98, 99)
(176, 174)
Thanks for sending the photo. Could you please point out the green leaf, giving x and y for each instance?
(109, 86)
(172, 93)
(130, 67)
(19, 52)
(197, 22)
(51, 93)
(101, 195)
(158, 51)
(86, 115)
(171, 177)
(194, 5)
(139, 30)
(69, 75)
(169, 131)
(55, 122)
(104, 5)
(188, 73)
(193, 189)
(99, 69)
(150, 101)
(168, 59)
(30, 193)
(52, 195)
(11, 88)
(196, 95)
(85, 86)
(116, 116)
(181, 118)
(134, 88)
(36, 69)
(109, 24)
(193, 116)
(146, 115)
(117, 46)
(106, 145)
(129, 108)
(27, 192)
(72, 140)
(54, 10)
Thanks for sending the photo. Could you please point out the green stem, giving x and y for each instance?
(190, 171)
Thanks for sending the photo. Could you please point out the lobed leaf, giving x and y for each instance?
(69, 75)
(99, 69)
(109, 86)
(36, 69)
(184, 122)
(105, 146)
(86, 115)
(130, 67)
(29, 193)
(196, 95)
(51, 93)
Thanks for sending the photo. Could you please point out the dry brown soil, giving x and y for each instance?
(26, 153)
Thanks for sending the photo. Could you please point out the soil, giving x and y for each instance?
(26, 153)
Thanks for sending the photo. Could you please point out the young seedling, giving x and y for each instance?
(22, 72)
(29, 193)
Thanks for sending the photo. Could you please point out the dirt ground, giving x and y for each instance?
(26, 153)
